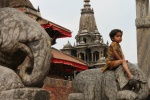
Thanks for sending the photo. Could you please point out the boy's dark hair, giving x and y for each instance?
(114, 32)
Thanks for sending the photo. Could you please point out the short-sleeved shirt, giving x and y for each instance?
(111, 56)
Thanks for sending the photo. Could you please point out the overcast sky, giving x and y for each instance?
(109, 14)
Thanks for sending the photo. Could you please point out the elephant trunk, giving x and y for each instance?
(33, 72)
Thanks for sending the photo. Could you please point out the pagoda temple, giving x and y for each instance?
(89, 46)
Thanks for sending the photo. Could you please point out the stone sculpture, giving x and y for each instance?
(25, 50)
(110, 85)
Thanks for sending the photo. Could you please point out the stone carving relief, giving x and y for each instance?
(24, 56)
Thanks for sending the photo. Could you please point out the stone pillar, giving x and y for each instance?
(149, 8)
(142, 8)
(78, 55)
(84, 56)
(100, 54)
(88, 57)
(143, 36)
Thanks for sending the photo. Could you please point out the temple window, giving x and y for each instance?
(88, 54)
(95, 56)
(81, 56)
(74, 53)
(84, 39)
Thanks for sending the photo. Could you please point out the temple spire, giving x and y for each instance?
(87, 5)
(86, 0)
(38, 9)
(87, 19)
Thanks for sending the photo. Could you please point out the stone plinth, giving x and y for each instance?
(25, 94)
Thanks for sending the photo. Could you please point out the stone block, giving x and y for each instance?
(75, 96)
(25, 94)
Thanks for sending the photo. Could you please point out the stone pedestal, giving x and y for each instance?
(59, 88)
(12, 88)
(25, 94)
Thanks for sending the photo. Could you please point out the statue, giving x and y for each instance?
(24, 56)
(110, 85)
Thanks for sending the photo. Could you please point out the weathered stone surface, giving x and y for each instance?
(24, 44)
(143, 22)
(142, 8)
(129, 95)
(24, 56)
(143, 36)
(59, 88)
(9, 79)
(110, 85)
(12, 88)
(77, 96)
(25, 94)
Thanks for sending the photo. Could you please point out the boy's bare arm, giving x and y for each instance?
(123, 56)
(116, 55)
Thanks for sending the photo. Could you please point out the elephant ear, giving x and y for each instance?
(121, 77)
(138, 73)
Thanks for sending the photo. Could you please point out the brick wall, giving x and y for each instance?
(59, 88)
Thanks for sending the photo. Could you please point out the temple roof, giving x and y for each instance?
(55, 30)
(63, 58)
(14, 3)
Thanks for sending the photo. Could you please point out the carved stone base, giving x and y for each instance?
(25, 94)
(12, 88)
(75, 96)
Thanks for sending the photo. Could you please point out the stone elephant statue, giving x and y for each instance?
(24, 46)
(12, 88)
(92, 84)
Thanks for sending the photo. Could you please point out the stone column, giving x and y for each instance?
(149, 8)
(78, 55)
(100, 54)
(142, 8)
(88, 57)
(143, 36)
(84, 56)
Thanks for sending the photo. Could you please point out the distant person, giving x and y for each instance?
(115, 56)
